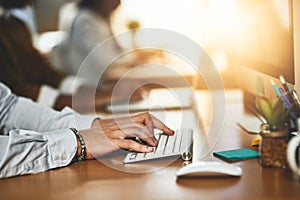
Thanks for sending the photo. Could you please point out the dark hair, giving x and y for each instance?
(9, 4)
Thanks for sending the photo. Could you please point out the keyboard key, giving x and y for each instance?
(149, 155)
(177, 142)
(132, 156)
(170, 144)
(140, 156)
(157, 136)
(161, 144)
(186, 140)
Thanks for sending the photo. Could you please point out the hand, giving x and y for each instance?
(109, 135)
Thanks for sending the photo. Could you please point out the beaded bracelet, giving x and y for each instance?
(82, 155)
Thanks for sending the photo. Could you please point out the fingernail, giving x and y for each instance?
(150, 149)
(154, 141)
(169, 129)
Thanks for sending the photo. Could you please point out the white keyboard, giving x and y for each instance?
(180, 144)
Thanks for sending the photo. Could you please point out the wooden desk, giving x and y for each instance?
(94, 180)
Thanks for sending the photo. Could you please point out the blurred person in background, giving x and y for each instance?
(89, 28)
(90, 31)
(30, 74)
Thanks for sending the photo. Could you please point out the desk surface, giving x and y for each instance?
(94, 180)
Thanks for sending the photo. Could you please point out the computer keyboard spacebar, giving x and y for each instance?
(177, 145)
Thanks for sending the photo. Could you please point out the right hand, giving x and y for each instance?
(109, 135)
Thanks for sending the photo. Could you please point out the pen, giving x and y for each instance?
(284, 84)
(296, 102)
(285, 98)
(276, 89)
(288, 105)
(296, 97)
(288, 96)
(293, 115)
(281, 94)
(287, 89)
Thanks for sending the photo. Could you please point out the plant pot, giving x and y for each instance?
(272, 148)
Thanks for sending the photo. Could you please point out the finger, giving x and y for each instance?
(159, 125)
(132, 145)
(118, 120)
(131, 129)
(114, 124)
(146, 119)
(152, 122)
(135, 131)
(124, 124)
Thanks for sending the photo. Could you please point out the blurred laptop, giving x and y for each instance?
(157, 99)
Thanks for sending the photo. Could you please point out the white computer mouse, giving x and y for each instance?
(209, 168)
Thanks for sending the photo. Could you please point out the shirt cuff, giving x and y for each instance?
(70, 84)
(47, 96)
(62, 147)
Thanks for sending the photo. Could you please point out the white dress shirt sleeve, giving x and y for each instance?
(27, 152)
(35, 138)
(47, 96)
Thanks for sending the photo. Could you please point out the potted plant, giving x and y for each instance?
(274, 133)
(274, 112)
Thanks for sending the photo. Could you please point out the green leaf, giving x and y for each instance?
(274, 111)
(277, 113)
(264, 107)
(276, 103)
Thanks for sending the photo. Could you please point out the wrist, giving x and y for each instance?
(78, 150)
(81, 147)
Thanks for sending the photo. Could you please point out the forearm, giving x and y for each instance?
(31, 116)
(26, 152)
(22, 113)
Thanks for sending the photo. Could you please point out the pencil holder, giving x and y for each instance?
(273, 146)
